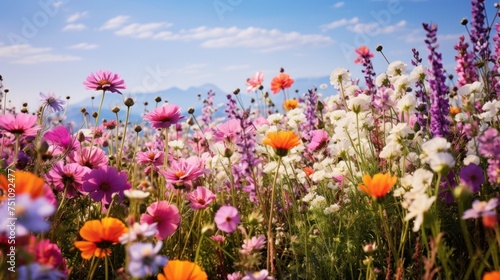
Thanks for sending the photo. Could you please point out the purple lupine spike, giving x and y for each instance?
(489, 147)
(231, 107)
(440, 107)
(208, 107)
(479, 34)
(465, 63)
(423, 99)
(364, 56)
(311, 100)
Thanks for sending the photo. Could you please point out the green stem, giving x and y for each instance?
(270, 244)
(119, 159)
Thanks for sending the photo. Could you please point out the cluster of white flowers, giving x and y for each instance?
(435, 153)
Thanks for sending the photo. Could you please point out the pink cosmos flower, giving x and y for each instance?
(67, 177)
(151, 157)
(20, 124)
(182, 171)
(90, 157)
(228, 131)
(227, 218)
(103, 182)
(164, 116)
(105, 81)
(319, 140)
(47, 253)
(165, 215)
(200, 198)
(255, 82)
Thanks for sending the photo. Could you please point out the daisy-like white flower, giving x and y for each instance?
(139, 231)
(418, 207)
(396, 68)
(340, 77)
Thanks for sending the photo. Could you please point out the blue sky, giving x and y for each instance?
(50, 45)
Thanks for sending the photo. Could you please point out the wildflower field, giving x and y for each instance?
(392, 176)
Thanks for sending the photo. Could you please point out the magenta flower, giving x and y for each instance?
(90, 157)
(104, 182)
(165, 215)
(200, 198)
(255, 82)
(48, 253)
(471, 176)
(20, 124)
(150, 157)
(61, 140)
(227, 218)
(182, 171)
(164, 116)
(319, 140)
(67, 177)
(105, 81)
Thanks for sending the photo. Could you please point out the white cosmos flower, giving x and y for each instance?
(396, 68)
(441, 161)
(418, 207)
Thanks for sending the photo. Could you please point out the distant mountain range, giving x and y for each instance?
(185, 98)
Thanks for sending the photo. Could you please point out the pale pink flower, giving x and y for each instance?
(182, 171)
(20, 124)
(200, 198)
(254, 243)
(255, 82)
(227, 218)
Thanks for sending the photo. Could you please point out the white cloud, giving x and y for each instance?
(114, 23)
(339, 23)
(83, 46)
(418, 36)
(338, 4)
(27, 54)
(20, 50)
(193, 68)
(141, 31)
(74, 17)
(45, 57)
(375, 28)
(74, 27)
(250, 37)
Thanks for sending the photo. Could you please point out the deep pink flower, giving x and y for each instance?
(228, 131)
(90, 157)
(105, 181)
(47, 253)
(182, 171)
(20, 124)
(227, 218)
(200, 198)
(150, 156)
(61, 139)
(255, 82)
(164, 116)
(67, 177)
(165, 215)
(319, 140)
(105, 81)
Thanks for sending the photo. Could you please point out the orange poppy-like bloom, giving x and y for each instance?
(290, 104)
(99, 235)
(281, 141)
(378, 185)
(23, 182)
(182, 270)
(492, 275)
(454, 110)
(280, 82)
(308, 170)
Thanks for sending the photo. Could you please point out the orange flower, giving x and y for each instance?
(308, 170)
(182, 270)
(281, 141)
(379, 185)
(454, 110)
(99, 235)
(25, 182)
(290, 104)
(280, 82)
(492, 275)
